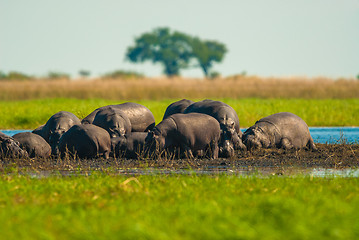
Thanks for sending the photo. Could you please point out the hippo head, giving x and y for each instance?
(118, 145)
(54, 139)
(114, 125)
(226, 149)
(229, 141)
(227, 123)
(11, 148)
(254, 137)
(154, 141)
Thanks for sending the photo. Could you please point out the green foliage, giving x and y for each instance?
(103, 206)
(14, 75)
(84, 73)
(123, 74)
(214, 75)
(58, 75)
(175, 51)
(30, 114)
(2, 75)
(161, 46)
(206, 53)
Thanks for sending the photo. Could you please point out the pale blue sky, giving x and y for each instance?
(265, 38)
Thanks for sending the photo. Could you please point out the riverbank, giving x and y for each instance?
(333, 156)
(29, 114)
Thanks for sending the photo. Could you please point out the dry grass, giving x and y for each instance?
(163, 88)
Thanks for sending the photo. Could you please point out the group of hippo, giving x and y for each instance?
(190, 129)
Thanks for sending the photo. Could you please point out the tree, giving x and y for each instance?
(172, 50)
(206, 53)
(84, 73)
(176, 51)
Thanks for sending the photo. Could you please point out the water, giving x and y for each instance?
(320, 134)
(261, 172)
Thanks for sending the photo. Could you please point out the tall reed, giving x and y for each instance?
(163, 88)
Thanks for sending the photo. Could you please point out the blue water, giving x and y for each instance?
(319, 134)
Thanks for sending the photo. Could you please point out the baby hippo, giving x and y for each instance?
(9, 147)
(86, 141)
(193, 133)
(130, 146)
(35, 145)
(281, 130)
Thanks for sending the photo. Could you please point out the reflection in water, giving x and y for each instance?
(240, 172)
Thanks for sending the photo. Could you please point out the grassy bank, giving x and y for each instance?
(178, 207)
(29, 114)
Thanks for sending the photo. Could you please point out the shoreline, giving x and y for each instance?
(328, 156)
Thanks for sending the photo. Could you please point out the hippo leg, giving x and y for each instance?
(188, 152)
(311, 145)
(241, 146)
(214, 151)
(286, 144)
(106, 155)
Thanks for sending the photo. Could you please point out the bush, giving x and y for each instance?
(123, 74)
(58, 75)
(14, 75)
(214, 75)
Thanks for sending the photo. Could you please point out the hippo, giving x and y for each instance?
(9, 147)
(38, 130)
(114, 121)
(130, 145)
(177, 107)
(141, 118)
(195, 134)
(55, 127)
(35, 145)
(227, 117)
(86, 141)
(280, 130)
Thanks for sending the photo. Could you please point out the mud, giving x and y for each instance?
(333, 156)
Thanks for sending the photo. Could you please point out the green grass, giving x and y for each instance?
(106, 206)
(29, 114)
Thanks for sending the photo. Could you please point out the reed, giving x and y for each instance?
(235, 87)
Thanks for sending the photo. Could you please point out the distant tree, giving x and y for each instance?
(206, 53)
(84, 73)
(175, 51)
(172, 50)
(15, 75)
(58, 75)
(2, 75)
(123, 74)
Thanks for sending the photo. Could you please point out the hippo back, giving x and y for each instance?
(35, 145)
(59, 122)
(86, 140)
(290, 126)
(141, 117)
(9, 147)
(113, 120)
(177, 107)
(219, 110)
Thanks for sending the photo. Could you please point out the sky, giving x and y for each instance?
(269, 38)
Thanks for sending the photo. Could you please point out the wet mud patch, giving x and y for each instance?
(333, 156)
